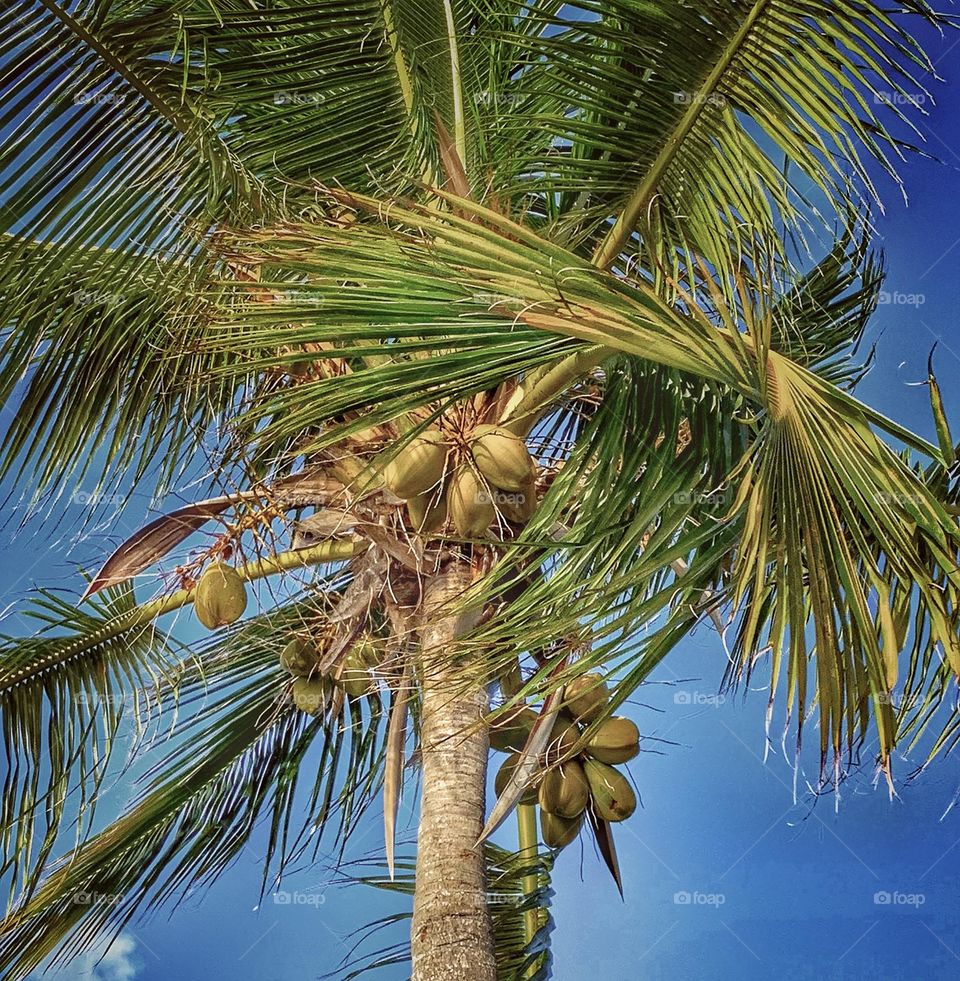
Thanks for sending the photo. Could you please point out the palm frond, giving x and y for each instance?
(103, 243)
(618, 593)
(570, 113)
(235, 763)
(839, 533)
(65, 693)
(820, 321)
(576, 212)
(674, 119)
(62, 700)
(830, 512)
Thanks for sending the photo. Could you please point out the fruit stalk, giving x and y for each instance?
(146, 613)
(528, 842)
(335, 551)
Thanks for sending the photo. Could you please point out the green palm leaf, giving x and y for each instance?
(569, 114)
(68, 693)
(673, 117)
(831, 514)
(234, 762)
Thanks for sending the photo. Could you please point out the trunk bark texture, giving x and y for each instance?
(452, 936)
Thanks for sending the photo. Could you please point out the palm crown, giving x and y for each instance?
(294, 237)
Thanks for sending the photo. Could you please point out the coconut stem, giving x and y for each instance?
(146, 613)
(529, 850)
(332, 551)
(538, 393)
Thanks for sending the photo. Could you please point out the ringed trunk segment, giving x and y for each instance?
(452, 933)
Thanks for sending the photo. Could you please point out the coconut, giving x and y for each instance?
(370, 649)
(428, 511)
(518, 506)
(299, 657)
(616, 741)
(418, 466)
(613, 797)
(220, 597)
(506, 772)
(311, 695)
(510, 679)
(563, 740)
(558, 832)
(470, 504)
(355, 676)
(510, 732)
(502, 457)
(564, 790)
(586, 697)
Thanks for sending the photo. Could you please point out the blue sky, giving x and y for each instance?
(725, 875)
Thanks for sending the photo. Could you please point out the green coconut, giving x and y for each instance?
(613, 797)
(558, 832)
(564, 790)
(355, 677)
(586, 697)
(617, 740)
(311, 695)
(428, 511)
(470, 504)
(502, 457)
(564, 739)
(510, 731)
(299, 657)
(506, 772)
(418, 466)
(220, 597)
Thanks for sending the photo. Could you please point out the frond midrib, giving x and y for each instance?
(611, 245)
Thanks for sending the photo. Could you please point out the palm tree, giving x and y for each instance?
(284, 241)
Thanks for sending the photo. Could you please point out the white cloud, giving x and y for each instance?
(119, 963)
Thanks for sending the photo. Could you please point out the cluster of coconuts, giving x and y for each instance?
(495, 473)
(578, 770)
(220, 597)
(313, 689)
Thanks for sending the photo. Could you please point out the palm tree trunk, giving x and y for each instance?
(452, 937)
